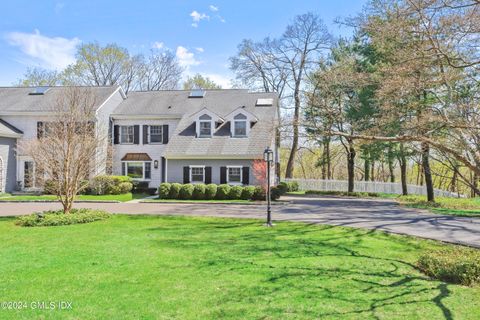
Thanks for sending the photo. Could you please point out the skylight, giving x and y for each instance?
(39, 90)
(264, 102)
(197, 93)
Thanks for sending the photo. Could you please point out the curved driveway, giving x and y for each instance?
(379, 214)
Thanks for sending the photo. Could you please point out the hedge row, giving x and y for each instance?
(290, 186)
(213, 192)
(58, 218)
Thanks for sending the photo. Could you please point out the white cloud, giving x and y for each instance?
(58, 7)
(222, 80)
(199, 49)
(213, 8)
(158, 45)
(186, 58)
(197, 17)
(51, 53)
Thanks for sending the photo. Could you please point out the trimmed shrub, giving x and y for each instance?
(454, 265)
(292, 186)
(102, 185)
(211, 191)
(143, 187)
(174, 190)
(283, 187)
(248, 192)
(58, 218)
(259, 193)
(164, 190)
(235, 193)
(223, 191)
(275, 193)
(186, 191)
(199, 191)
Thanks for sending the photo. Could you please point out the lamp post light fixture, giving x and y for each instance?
(268, 157)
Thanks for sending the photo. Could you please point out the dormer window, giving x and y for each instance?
(205, 126)
(240, 125)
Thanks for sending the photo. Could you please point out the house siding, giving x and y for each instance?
(7, 153)
(155, 151)
(175, 168)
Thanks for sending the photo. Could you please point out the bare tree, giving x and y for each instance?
(40, 77)
(159, 71)
(71, 148)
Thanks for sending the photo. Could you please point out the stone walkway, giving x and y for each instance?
(374, 214)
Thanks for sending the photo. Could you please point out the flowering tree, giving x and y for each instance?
(259, 170)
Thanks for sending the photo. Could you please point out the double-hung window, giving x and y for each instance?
(240, 126)
(205, 126)
(197, 174)
(234, 175)
(126, 134)
(156, 134)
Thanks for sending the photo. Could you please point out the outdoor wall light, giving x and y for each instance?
(155, 164)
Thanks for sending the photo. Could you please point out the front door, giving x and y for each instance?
(28, 175)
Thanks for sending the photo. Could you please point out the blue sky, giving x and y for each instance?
(203, 34)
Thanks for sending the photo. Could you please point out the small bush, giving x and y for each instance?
(102, 185)
(223, 191)
(164, 190)
(235, 193)
(259, 193)
(283, 187)
(275, 193)
(248, 192)
(58, 218)
(125, 187)
(174, 190)
(186, 191)
(292, 186)
(199, 192)
(454, 265)
(210, 191)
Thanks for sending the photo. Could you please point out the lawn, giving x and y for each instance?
(149, 267)
(466, 207)
(86, 197)
(199, 201)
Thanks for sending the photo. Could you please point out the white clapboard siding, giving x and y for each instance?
(366, 186)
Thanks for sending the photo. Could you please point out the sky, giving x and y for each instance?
(203, 34)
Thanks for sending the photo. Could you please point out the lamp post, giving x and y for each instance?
(268, 157)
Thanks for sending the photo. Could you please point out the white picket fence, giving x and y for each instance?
(367, 186)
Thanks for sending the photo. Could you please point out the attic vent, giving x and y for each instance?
(197, 93)
(264, 102)
(39, 90)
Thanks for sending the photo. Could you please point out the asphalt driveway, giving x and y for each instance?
(381, 214)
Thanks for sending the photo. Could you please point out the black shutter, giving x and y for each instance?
(40, 128)
(223, 175)
(145, 134)
(124, 169)
(165, 133)
(186, 174)
(116, 134)
(136, 134)
(246, 175)
(208, 175)
(164, 167)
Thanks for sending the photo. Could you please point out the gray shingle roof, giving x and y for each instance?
(18, 99)
(7, 130)
(183, 142)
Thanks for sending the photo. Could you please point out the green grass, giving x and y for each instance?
(466, 207)
(109, 197)
(150, 267)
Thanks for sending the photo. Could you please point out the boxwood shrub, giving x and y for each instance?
(174, 190)
(248, 192)
(210, 191)
(235, 192)
(164, 190)
(259, 193)
(223, 191)
(110, 185)
(199, 192)
(58, 218)
(186, 191)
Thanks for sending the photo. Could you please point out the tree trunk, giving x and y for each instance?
(351, 166)
(326, 170)
(390, 165)
(367, 169)
(474, 185)
(402, 159)
(372, 171)
(329, 162)
(427, 172)
(453, 183)
(296, 118)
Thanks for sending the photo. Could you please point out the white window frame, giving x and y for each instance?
(190, 174)
(241, 175)
(143, 170)
(150, 134)
(121, 134)
(235, 127)
(200, 135)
